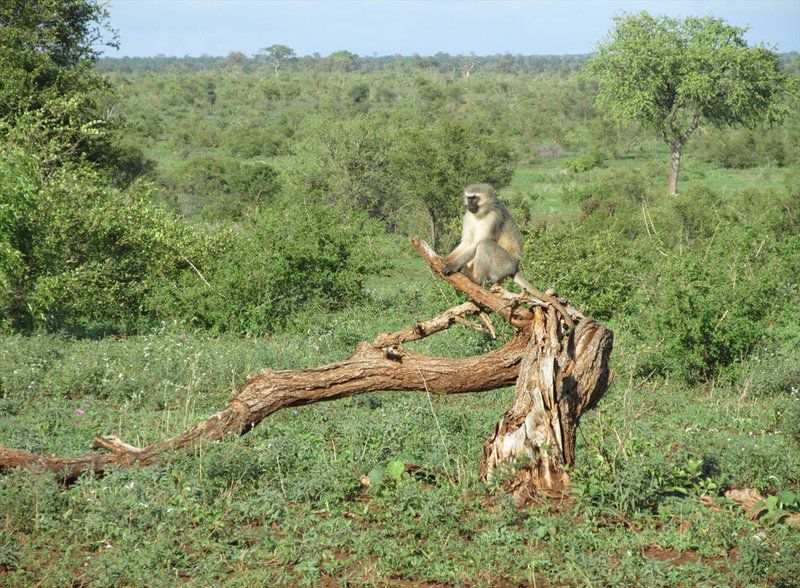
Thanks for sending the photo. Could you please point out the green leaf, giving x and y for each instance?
(787, 498)
(376, 475)
(395, 469)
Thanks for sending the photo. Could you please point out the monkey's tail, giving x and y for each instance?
(546, 297)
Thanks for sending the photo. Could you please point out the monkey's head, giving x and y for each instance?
(477, 195)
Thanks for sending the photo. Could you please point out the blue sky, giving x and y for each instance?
(216, 27)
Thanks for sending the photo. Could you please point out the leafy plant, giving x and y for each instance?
(287, 260)
(779, 506)
(588, 162)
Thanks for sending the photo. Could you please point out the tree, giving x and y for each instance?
(347, 161)
(49, 91)
(235, 58)
(342, 61)
(278, 54)
(672, 74)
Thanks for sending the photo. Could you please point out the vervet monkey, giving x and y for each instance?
(491, 245)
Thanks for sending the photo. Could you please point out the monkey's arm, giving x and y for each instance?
(460, 257)
(471, 235)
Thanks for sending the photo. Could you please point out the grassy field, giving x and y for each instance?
(283, 505)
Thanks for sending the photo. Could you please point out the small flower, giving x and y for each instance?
(80, 412)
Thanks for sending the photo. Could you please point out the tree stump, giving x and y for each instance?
(559, 378)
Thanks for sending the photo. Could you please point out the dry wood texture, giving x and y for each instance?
(559, 379)
(561, 376)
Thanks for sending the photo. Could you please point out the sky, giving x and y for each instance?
(406, 27)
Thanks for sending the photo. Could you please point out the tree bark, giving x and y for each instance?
(676, 146)
(674, 168)
(562, 376)
(558, 380)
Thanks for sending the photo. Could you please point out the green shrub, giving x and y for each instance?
(791, 418)
(696, 212)
(643, 480)
(89, 252)
(588, 162)
(744, 148)
(708, 307)
(348, 162)
(256, 142)
(220, 187)
(598, 271)
(768, 560)
(18, 188)
(285, 260)
(772, 373)
(612, 202)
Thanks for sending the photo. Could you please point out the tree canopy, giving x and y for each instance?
(278, 54)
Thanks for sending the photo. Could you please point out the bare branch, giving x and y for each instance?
(420, 330)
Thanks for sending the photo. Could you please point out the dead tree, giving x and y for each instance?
(558, 375)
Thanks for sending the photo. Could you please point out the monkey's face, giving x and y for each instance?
(473, 200)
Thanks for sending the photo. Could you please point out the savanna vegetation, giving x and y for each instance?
(169, 226)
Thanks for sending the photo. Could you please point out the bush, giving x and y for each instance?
(87, 259)
(347, 162)
(391, 172)
(221, 187)
(256, 142)
(285, 260)
(588, 162)
(97, 253)
(614, 202)
(744, 148)
(78, 255)
(643, 480)
(712, 302)
(716, 282)
(791, 419)
(598, 270)
(17, 196)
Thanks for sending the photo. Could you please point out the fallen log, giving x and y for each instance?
(563, 373)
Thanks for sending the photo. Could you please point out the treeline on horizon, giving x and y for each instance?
(348, 61)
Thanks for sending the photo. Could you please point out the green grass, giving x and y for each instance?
(544, 184)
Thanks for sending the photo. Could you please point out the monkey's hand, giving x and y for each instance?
(447, 270)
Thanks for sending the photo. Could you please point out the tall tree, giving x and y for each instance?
(343, 61)
(276, 55)
(672, 75)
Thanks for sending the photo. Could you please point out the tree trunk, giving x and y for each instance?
(561, 376)
(558, 380)
(434, 231)
(674, 167)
